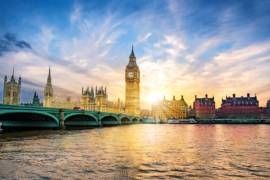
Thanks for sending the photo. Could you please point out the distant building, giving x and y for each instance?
(218, 114)
(169, 109)
(12, 91)
(268, 104)
(204, 107)
(240, 107)
(191, 112)
(145, 113)
(35, 102)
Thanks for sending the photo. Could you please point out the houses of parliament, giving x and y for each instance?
(97, 100)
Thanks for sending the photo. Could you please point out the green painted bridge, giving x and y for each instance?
(13, 116)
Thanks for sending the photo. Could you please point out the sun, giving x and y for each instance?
(153, 97)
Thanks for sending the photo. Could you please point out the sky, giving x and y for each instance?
(187, 48)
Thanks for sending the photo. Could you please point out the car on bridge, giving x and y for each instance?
(78, 108)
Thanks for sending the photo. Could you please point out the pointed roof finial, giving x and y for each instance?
(12, 77)
(132, 55)
(49, 70)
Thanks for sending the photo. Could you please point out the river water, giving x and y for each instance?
(143, 151)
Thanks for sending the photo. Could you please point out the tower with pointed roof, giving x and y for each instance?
(132, 78)
(48, 92)
(12, 90)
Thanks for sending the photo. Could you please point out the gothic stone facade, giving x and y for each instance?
(132, 78)
(48, 92)
(166, 109)
(99, 101)
(12, 91)
(240, 107)
(48, 99)
(204, 107)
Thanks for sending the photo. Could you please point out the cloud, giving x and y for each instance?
(11, 37)
(76, 14)
(185, 47)
(144, 38)
(10, 44)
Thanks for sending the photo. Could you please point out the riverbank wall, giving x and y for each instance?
(233, 121)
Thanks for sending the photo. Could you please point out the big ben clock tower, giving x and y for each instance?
(132, 78)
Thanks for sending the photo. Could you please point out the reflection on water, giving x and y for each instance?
(146, 151)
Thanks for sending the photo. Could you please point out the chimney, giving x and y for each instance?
(206, 96)
(248, 95)
(173, 97)
(233, 95)
(182, 97)
(195, 97)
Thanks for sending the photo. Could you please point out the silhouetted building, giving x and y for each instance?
(191, 112)
(35, 102)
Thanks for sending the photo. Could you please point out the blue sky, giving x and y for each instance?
(182, 47)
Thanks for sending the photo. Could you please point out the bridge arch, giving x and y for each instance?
(109, 120)
(90, 115)
(141, 121)
(125, 120)
(104, 116)
(134, 120)
(19, 119)
(80, 120)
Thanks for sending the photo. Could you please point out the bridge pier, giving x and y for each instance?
(61, 119)
(119, 119)
(99, 119)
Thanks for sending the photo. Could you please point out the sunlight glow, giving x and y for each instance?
(153, 97)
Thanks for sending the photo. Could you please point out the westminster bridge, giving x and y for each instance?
(18, 116)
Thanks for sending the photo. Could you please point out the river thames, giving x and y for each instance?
(143, 151)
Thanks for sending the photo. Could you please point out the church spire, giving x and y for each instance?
(49, 79)
(12, 77)
(132, 55)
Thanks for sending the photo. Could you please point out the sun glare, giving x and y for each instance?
(153, 97)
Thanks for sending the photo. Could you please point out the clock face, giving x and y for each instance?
(138, 75)
(130, 74)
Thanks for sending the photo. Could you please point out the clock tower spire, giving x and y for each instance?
(132, 78)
